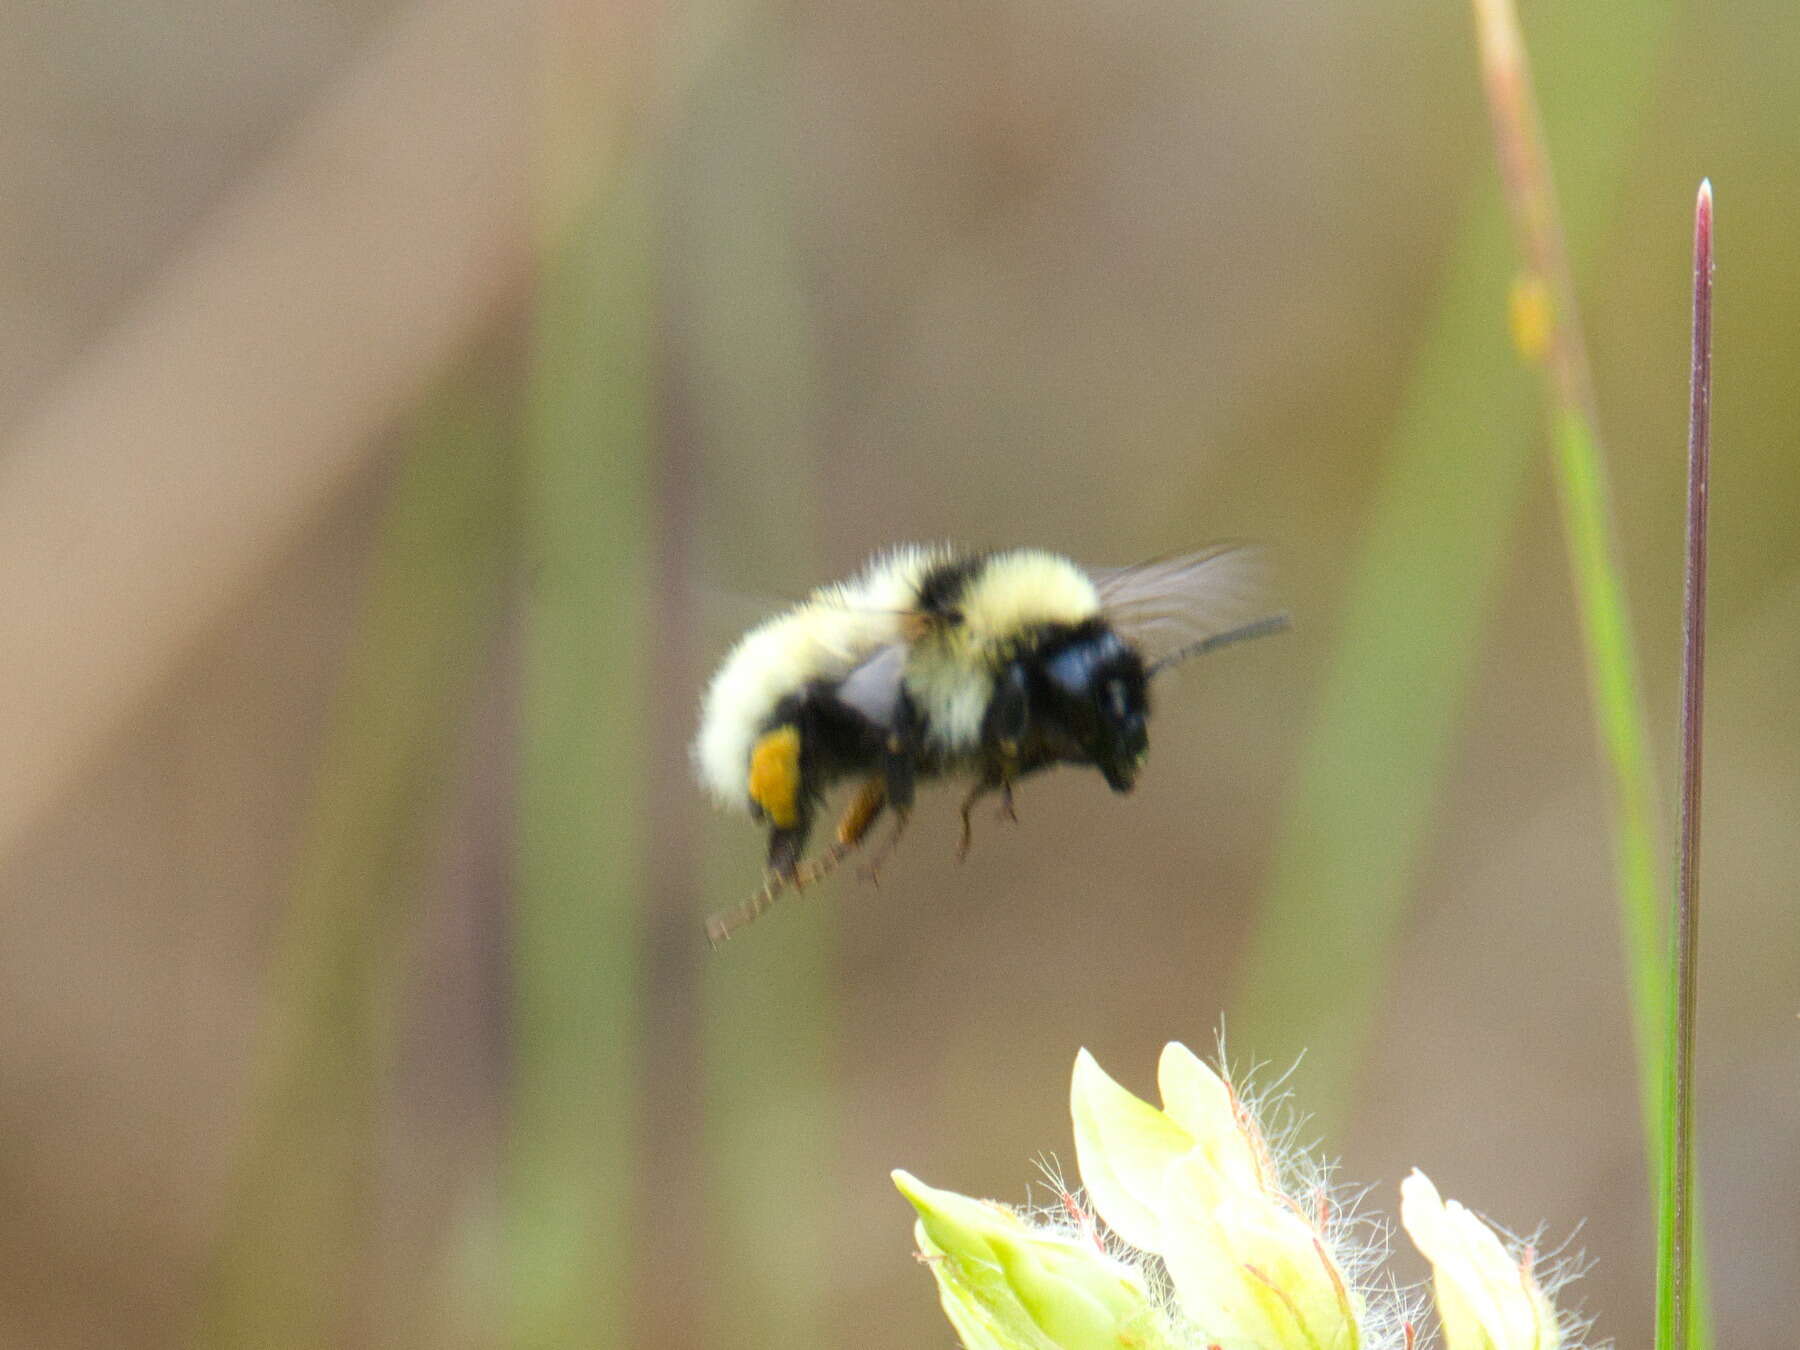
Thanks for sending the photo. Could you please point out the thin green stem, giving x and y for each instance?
(1551, 329)
(1414, 609)
(1584, 497)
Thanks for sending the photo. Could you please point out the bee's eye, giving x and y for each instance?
(1071, 671)
(1116, 698)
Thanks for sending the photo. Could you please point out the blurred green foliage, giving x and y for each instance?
(1116, 283)
(582, 842)
(298, 1236)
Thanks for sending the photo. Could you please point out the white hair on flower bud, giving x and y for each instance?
(1357, 1240)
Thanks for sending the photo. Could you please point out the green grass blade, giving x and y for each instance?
(1621, 724)
(1615, 690)
(774, 1121)
(772, 1102)
(298, 1219)
(1551, 332)
(1415, 606)
(580, 863)
(1413, 617)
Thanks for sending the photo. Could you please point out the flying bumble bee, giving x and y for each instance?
(935, 662)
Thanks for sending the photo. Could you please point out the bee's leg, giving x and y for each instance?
(997, 777)
(1007, 722)
(862, 812)
(858, 818)
(982, 787)
(785, 848)
(722, 925)
(1008, 717)
(786, 869)
(783, 870)
(870, 871)
(900, 754)
(899, 773)
(778, 795)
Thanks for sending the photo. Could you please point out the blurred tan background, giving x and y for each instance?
(352, 989)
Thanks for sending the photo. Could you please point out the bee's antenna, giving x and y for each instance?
(1273, 623)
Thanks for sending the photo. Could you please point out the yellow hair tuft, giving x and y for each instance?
(775, 776)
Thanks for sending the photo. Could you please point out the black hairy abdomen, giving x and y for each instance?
(835, 740)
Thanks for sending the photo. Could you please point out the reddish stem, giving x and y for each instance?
(1693, 672)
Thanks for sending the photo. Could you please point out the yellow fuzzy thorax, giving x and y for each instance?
(1016, 592)
(950, 670)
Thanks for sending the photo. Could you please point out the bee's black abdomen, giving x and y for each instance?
(1008, 716)
(835, 740)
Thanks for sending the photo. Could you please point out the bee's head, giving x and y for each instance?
(1095, 691)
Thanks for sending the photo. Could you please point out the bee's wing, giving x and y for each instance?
(1174, 608)
(873, 688)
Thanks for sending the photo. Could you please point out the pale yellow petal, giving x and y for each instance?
(1486, 1300)
(1201, 1103)
(1247, 1267)
(1124, 1147)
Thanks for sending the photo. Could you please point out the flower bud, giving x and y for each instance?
(1193, 1184)
(1486, 1298)
(1006, 1284)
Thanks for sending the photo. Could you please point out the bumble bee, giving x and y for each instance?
(936, 662)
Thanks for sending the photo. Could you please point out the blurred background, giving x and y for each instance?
(405, 404)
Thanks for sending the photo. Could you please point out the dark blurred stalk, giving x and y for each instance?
(1679, 1313)
(299, 1221)
(1415, 607)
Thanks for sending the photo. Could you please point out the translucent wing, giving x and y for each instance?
(1174, 608)
(724, 615)
(873, 688)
